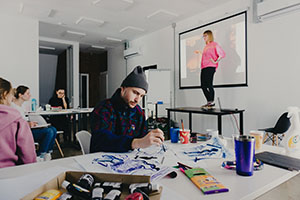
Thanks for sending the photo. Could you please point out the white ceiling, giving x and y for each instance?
(97, 20)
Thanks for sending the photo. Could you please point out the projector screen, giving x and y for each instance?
(231, 34)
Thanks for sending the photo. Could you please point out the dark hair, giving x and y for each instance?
(21, 89)
(5, 87)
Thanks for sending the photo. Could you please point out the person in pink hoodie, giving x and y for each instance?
(211, 56)
(16, 141)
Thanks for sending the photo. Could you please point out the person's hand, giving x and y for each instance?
(215, 62)
(32, 124)
(197, 52)
(155, 136)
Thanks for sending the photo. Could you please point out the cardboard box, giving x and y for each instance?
(73, 177)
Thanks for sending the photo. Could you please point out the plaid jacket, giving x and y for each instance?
(115, 125)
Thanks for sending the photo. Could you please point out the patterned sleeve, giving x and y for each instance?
(220, 51)
(104, 137)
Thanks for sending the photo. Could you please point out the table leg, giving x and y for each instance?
(190, 122)
(220, 124)
(241, 124)
(169, 124)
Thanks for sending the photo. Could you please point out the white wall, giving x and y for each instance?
(19, 52)
(273, 68)
(116, 69)
(47, 67)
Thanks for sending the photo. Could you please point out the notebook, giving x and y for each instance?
(278, 160)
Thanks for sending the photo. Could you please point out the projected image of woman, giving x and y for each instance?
(211, 56)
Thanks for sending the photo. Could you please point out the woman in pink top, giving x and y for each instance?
(16, 141)
(211, 56)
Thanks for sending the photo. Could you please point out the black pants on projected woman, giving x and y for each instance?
(207, 77)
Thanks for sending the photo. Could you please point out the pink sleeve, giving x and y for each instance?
(25, 143)
(220, 51)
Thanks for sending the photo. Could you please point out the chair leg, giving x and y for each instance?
(265, 137)
(61, 152)
(276, 140)
(273, 140)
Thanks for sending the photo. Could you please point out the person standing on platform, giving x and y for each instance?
(118, 123)
(16, 141)
(44, 136)
(211, 56)
(61, 122)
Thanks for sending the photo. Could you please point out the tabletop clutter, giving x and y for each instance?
(134, 173)
(97, 186)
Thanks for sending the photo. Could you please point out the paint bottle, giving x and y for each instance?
(292, 135)
(108, 186)
(76, 190)
(65, 196)
(33, 105)
(144, 188)
(86, 181)
(97, 192)
(113, 195)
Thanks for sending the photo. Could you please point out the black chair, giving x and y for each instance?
(277, 132)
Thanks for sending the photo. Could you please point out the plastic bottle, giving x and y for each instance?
(76, 190)
(292, 136)
(97, 193)
(33, 105)
(86, 181)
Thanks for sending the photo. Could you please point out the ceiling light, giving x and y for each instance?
(48, 48)
(132, 28)
(98, 47)
(114, 39)
(82, 19)
(163, 12)
(76, 33)
(127, 1)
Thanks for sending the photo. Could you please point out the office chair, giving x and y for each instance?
(277, 132)
(84, 139)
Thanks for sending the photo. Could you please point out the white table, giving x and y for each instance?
(181, 187)
(74, 112)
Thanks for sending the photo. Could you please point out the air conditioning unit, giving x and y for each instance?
(130, 52)
(266, 9)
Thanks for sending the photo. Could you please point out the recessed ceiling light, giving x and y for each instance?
(48, 48)
(162, 11)
(132, 28)
(98, 47)
(127, 1)
(82, 19)
(114, 39)
(76, 33)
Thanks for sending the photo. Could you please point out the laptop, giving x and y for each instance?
(278, 160)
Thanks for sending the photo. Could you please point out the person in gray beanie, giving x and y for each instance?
(118, 123)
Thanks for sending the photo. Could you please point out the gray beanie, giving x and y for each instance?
(136, 78)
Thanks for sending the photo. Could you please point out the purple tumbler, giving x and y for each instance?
(244, 154)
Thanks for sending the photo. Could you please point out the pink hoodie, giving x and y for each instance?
(10, 141)
(211, 51)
